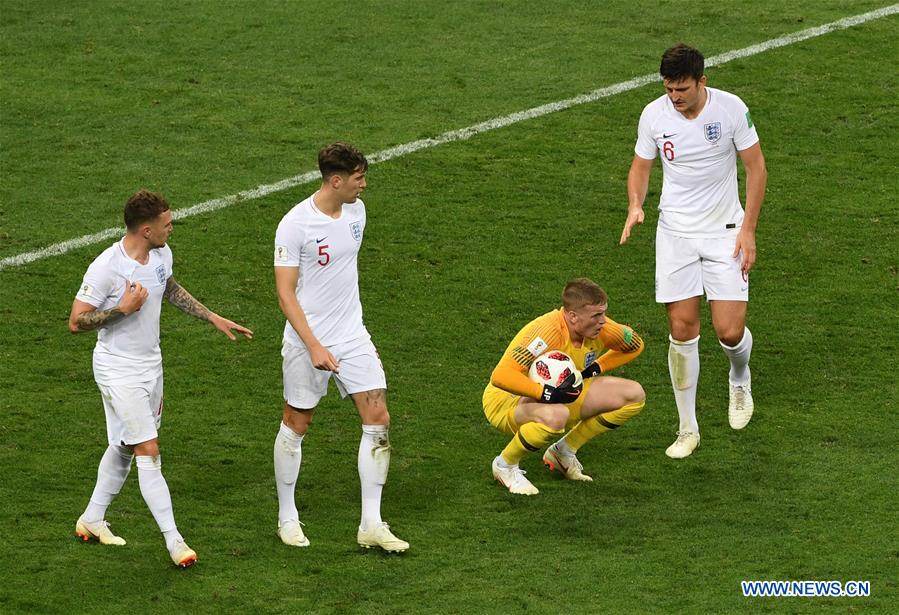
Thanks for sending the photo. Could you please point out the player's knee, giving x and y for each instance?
(297, 419)
(684, 327)
(377, 415)
(683, 330)
(635, 393)
(150, 448)
(556, 417)
(731, 336)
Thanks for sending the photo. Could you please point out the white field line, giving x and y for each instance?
(460, 134)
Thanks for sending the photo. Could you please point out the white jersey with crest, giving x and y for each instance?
(325, 249)
(699, 161)
(127, 351)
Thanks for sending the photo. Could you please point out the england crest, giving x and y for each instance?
(712, 132)
(160, 274)
(356, 229)
(589, 358)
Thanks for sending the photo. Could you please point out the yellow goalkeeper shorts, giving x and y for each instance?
(499, 407)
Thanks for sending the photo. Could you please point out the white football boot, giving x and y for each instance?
(568, 465)
(182, 555)
(513, 479)
(381, 536)
(686, 443)
(740, 405)
(97, 531)
(291, 534)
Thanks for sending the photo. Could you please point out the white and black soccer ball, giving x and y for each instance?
(553, 368)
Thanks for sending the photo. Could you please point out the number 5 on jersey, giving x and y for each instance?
(323, 257)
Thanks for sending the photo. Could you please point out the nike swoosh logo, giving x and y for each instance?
(664, 136)
(321, 240)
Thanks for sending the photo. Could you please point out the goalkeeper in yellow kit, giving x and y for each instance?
(536, 414)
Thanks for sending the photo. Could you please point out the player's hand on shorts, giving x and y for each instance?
(135, 296)
(565, 393)
(634, 216)
(323, 359)
(745, 244)
(227, 326)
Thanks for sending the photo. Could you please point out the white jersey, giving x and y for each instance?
(699, 162)
(127, 351)
(325, 250)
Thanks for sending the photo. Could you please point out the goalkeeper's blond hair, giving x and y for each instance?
(583, 291)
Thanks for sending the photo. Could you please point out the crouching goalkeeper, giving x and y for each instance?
(535, 414)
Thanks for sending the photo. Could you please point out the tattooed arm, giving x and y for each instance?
(184, 301)
(86, 317)
(178, 296)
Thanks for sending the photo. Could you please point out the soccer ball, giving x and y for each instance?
(553, 368)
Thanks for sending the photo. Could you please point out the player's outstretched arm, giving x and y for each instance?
(637, 187)
(86, 317)
(178, 296)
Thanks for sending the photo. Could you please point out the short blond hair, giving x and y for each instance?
(583, 291)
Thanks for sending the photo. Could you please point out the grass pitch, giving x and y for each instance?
(465, 243)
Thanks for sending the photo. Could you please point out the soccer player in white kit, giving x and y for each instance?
(704, 239)
(121, 298)
(317, 279)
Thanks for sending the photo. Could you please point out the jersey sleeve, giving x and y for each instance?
(537, 337)
(168, 261)
(96, 286)
(288, 244)
(745, 135)
(623, 343)
(646, 145)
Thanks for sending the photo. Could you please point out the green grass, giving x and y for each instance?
(465, 243)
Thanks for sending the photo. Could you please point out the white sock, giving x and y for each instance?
(288, 455)
(563, 449)
(739, 358)
(683, 366)
(156, 494)
(374, 461)
(114, 468)
(504, 464)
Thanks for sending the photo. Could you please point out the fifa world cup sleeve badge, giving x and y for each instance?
(537, 346)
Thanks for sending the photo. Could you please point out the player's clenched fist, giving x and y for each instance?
(135, 296)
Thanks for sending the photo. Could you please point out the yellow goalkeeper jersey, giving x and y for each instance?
(616, 345)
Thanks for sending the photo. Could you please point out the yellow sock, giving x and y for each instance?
(530, 437)
(588, 429)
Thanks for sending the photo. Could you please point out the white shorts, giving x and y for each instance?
(685, 267)
(360, 370)
(133, 411)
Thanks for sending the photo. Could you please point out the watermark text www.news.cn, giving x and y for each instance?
(811, 589)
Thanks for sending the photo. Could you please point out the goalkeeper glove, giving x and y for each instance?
(566, 393)
(592, 370)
